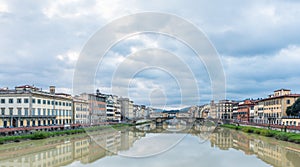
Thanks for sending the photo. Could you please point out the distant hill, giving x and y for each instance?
(186, 109)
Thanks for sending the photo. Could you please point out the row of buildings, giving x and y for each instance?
(270, 110)
(27, 106)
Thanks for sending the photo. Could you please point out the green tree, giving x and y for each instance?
(294, 109)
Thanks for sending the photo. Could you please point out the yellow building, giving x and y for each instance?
(290, 121)
(27, 106)
(272, 109)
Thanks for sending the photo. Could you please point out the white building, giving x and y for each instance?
(127, 108)
(29, 106)
(113, 108)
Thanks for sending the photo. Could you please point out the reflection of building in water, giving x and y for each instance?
(275, 154)
(58, 155)
(222, 139)
(269, 151)
(60, 152)
(128, 138)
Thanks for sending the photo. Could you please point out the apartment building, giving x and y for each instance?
(271, 110)
(113, 108)
(126, 108)
(97, 107)
(244, 109)
(224, 109)
(81, 111)
(30, 106)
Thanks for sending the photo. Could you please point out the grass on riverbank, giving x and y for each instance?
(47, 134)
(285, 136)
(39, 135)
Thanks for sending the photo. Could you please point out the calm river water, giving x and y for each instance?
(150, 146)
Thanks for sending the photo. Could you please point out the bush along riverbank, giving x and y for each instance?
(285, 136)
(47, 134)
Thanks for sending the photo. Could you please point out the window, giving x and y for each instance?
(48, 111)
(10, 101)
(26, 100)
(39, 101)
(11, 111)
(26, 111)
(19, 100)
(39, 111)
(48, 102)
(56, 103)
(33, 100)
(2, 101)
(19, 111)
(44, 101)
(59, 103)
(44, 111)
(2, 111)
(288, 101)
(33, 111)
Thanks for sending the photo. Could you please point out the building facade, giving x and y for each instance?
(27, 106)
(81, 111)
(113, 108)
(97, 107)
(126, 108)
(244, 109)
(224, 109)
(272, 109)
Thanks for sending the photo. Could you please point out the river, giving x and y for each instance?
(148, 145)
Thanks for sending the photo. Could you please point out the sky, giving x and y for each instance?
(257, 42)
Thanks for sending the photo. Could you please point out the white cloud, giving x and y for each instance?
(3, 7)
(259, 74)
(70, 57)
(259, 41)
(76, 9)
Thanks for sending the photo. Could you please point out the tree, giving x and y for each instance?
(294, 109)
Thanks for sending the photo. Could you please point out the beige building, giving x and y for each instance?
(81, 111)
(212, 110)
(272, 109)
(224, 109)
(126, 108)
(290, 121)
(27, 106)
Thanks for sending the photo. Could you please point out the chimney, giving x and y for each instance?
(52, 90)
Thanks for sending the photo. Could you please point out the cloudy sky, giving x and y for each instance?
(258, 43)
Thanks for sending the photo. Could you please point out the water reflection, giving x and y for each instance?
(271, 151)
(86, 150)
